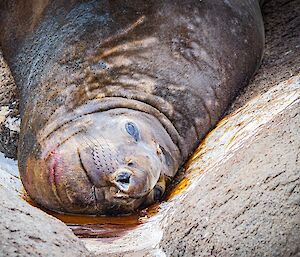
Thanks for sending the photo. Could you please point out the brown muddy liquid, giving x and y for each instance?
(88, 226)
(99, 226)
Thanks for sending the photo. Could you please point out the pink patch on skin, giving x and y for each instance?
(54, 167)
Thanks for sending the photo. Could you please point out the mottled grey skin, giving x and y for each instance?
(87, 69)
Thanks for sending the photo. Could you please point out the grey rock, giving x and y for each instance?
(248, 206)
(28, 231)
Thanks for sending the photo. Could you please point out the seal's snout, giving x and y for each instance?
(132, 182)
(122, 179)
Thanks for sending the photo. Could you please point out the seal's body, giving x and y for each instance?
(115, 95)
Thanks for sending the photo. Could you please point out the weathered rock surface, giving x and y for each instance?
(28, 231)
(9, 113)
(248, 206)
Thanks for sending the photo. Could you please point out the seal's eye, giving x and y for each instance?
(132, 130)
(158, 193)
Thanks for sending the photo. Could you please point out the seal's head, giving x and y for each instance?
(111, 162)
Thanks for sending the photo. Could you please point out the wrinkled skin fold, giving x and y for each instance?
(115, 95)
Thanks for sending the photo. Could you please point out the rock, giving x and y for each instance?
(9, 112)
(248, 205)
(8, 90)
(28, 231)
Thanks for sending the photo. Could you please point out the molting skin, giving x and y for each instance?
(115, 95)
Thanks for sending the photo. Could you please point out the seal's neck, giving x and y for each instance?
(65, 116)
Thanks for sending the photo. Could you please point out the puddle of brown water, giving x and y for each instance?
(99, 227)
(89, 226)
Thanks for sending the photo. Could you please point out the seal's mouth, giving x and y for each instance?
(121, 182)
(130, 181)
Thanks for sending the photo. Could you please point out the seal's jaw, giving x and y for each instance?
(113, 167)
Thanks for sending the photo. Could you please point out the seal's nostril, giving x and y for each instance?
(130, 163)
(158, 193)
(123, 177)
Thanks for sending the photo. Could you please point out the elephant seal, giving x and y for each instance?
(115, 95)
